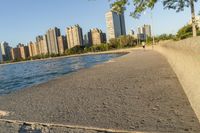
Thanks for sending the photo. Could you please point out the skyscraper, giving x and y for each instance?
(32, 49)
(147, 30)
(52, 41)
(86, 40)
(74, 36)
(5, 49)
(24, 52)
(41, 45)
(62, 44)
(15, 53)
(1, 57)
(115, 24)
(44, 47)
(140, 30)
(95, 37)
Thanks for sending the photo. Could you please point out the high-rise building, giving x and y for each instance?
(1, 57)
(5, 49)
(96, 36)
(44, 47)
(140, 30)
(147, 30)
(52, 41)
(38, 44)
(115, 24)
(32, 49)
(104, 37)
(74, 36)
(41, 45)
(62, 44)
(86, 40)
(15, 53)
(24, 52)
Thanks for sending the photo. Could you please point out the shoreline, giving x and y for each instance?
(136, 92)
(117, 51)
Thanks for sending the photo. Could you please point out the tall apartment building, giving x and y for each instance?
(86, 40)
(140, 30)
(32, 49)
(145, 29)
(104, 37)
(5, 49)
(24, 52)
(62, 44)
(41, 45)
(115, 24)
(74, 36)
(15, 53)
(52, 35)
(1, 57)
(96, 36)
(38, 44)
(44, 45)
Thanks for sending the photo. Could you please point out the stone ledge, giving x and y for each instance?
(24, 127)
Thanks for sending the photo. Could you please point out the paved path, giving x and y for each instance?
(137, 92)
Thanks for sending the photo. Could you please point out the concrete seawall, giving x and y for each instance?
(184, 57)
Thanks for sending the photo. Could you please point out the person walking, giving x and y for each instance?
(143, 45)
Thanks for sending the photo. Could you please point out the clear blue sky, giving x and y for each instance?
(22, 20)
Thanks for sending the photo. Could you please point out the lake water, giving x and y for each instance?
(21, 75)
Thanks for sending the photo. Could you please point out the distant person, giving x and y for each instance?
(143, 45)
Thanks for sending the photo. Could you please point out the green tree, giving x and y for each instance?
(185, 32)
(127, 41)
(165, 37)
(114, 43)
(142, 5)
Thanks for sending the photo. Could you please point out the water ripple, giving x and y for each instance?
(21, 75)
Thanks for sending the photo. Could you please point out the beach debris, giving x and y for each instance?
(3, 113)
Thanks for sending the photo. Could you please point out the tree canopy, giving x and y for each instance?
(141, 5)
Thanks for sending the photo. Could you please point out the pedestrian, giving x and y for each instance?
(143, 45)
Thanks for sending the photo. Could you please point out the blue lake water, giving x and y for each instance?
(21, 75)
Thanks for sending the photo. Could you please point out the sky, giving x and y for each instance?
(22, 20)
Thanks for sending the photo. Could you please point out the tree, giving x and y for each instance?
(165, 37)
(142, 5)
(184, 32)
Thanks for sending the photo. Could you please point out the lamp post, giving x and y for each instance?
(152, 30)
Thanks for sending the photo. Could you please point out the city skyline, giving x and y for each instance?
(54, 43)
(25, 23)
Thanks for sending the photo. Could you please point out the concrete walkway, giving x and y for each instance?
(136, 92)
